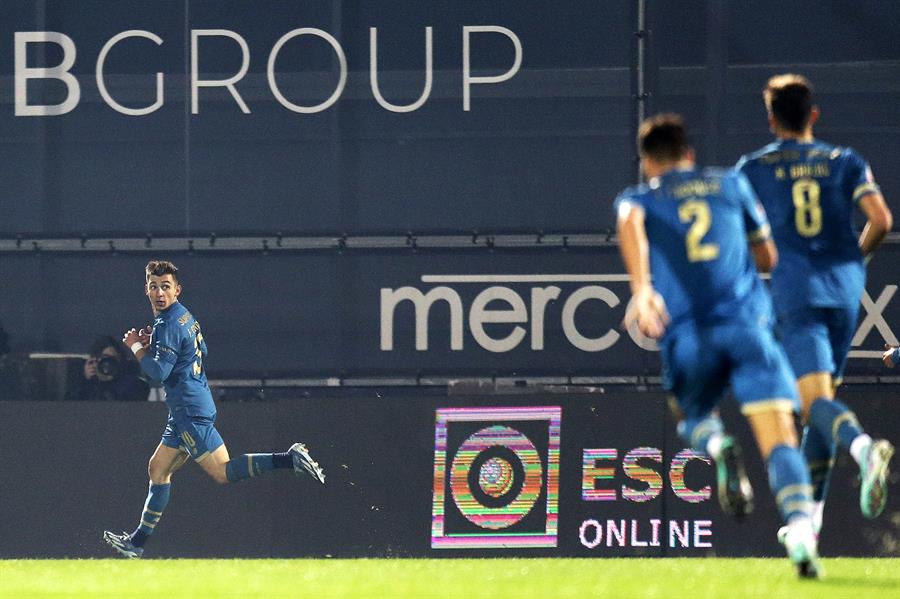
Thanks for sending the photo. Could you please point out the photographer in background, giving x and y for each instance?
(110, 374)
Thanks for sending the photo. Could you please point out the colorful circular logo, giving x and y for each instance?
(496, 477)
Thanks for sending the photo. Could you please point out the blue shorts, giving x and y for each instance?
(818, 339)
(700, 363)
(195, 435)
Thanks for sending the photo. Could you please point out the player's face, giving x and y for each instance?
(162, 291)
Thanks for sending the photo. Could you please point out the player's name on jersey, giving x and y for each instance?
(697, 187)
(800, 171)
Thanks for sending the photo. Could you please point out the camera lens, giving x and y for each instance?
(108, 366)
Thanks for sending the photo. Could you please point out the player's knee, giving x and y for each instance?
(159, 470)
(219, 474)
(773, 428)
(157, 474)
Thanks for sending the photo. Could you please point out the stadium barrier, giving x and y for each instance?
(540, 474)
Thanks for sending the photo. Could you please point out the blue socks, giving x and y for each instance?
(254, 464)
(157, 499)
(789, 477)
(831, 425)
(834, 421)
(819, 453)
(245, 466)
(790, 482)
(282, 460)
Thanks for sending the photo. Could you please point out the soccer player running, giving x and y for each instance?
(810, 189)
(173, 353)
(694, 230)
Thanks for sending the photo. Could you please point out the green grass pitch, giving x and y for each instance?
(447, 578)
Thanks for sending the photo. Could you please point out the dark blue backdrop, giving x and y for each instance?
(545, 150)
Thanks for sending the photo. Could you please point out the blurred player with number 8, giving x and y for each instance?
(810, 190)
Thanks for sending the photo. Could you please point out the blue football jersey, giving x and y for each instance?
(177, 344)
(809, 191)
(698, 223)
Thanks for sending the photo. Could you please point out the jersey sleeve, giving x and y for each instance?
(858, 177)
(626, 201)
(755, 221)
(161, 354)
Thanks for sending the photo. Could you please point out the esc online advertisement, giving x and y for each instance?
(497, 485)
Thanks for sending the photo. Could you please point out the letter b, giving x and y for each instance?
(23, 73)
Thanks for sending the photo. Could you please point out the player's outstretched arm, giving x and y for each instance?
(647, 308)
(879, 221)
(633, 246)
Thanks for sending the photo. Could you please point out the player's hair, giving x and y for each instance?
(788, 98)
(158, 268)
(663, 137)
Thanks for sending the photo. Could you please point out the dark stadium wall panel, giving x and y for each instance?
(542, 153)
(351, 166)
(364, 312)
(599, 475)
(531, 153)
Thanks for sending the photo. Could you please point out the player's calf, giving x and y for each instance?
(790, 483)
(251, 465)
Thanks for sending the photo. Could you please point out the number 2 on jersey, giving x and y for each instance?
(698, 214)
(807, 208)
(198, 363)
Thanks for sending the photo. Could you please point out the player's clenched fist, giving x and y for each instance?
(648, 310)
(133, 336)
